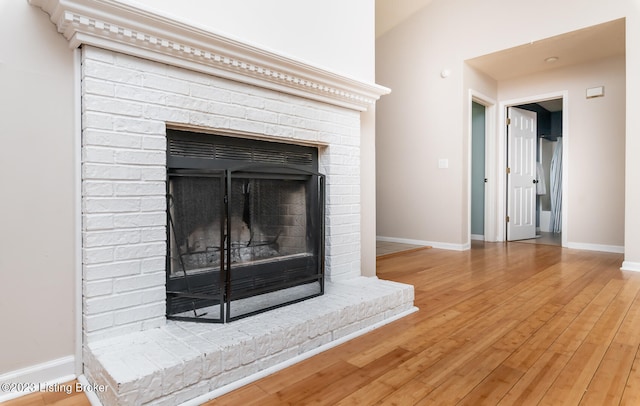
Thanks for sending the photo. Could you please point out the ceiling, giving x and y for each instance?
(595, 42)
(572, 48)
(390, 13)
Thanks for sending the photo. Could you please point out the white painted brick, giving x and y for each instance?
(98, 222)
(247, 126)
(165, 84)
(140, 157)
(278, 106)
(208, 120)
(98, 322)
(149, 265)
(191, 392)
(227, 110)
(140, 94)
(94, 205)
(175, 115)
(98, 121)
(139, 126)
(151, 203)
(153, 235)
(156, 322)
(138, 313)
(115, 172)
(140, 188)
(98, 155)
(113, 106)
(158, 143)
(140, 251)
(98, 87)
(136, 220)
(188, 103)
(116, 331)
(247, 100)
(111, 270)
(98, 288)
(98, 137)
(154, 173)
(280, 131)
(262, 116)
(112, 73)
(139, 147)
(137, 64)
(98, 54)
(210, 93)
(114, 237)
(305, 135)
(97, 188)
(157, 294)
(98, 255)
(110, 303)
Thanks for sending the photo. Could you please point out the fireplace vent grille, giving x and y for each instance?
(210, 149)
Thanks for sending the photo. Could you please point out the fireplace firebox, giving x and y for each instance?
(245, 226)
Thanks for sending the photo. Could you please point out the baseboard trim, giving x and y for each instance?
(630, 266)
(477, 237)
(617, 249)
(433, 244)
(48, 373)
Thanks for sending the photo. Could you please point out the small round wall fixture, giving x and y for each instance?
(445, 73)
(551, 59)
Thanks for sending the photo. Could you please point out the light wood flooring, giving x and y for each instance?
(501, 324)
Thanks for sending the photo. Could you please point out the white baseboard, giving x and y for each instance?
(630, 266)
(32, 378)
(596, 247)
(477, 237)
(434, 244)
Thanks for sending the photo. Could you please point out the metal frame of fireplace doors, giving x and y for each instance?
(209, 168)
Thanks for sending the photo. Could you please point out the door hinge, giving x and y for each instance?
(508, 170)
(507, 219)
(508, 121)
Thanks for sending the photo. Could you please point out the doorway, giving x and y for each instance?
(478, 172)
(543, 206)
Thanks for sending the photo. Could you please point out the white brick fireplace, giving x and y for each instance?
(142, 74)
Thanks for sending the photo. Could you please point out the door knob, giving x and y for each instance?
(535, 181)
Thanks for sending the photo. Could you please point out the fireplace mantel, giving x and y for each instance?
(125, 28)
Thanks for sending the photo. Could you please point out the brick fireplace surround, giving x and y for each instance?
(140, 74)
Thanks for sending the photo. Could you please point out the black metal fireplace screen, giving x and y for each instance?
(245, 226)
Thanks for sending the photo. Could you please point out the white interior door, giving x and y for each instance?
(521, 178)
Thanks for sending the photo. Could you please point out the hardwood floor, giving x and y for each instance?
(501, 324)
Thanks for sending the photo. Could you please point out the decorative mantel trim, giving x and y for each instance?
(122, 27)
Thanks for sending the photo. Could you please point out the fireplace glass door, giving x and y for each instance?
(242, 240)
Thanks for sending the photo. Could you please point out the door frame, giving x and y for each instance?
(489, 170)
(501, 161)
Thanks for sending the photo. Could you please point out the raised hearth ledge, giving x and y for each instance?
(129, 29)
(192, 361)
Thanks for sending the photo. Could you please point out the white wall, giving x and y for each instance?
(425, 118)
(37, 245)
(37, 262)
(335, 34)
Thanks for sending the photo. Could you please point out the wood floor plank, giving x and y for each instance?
(631, 394)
